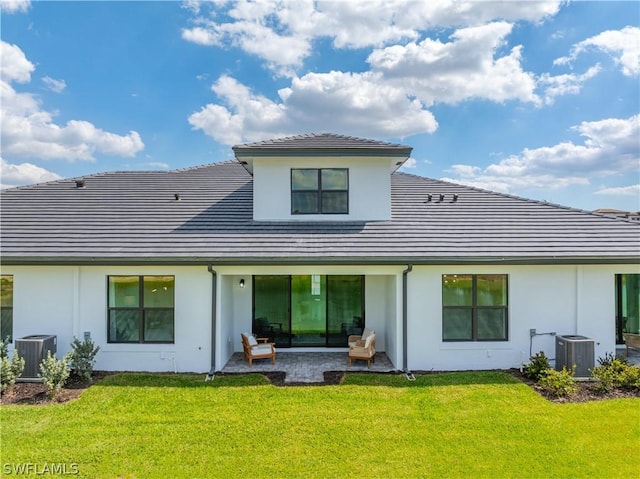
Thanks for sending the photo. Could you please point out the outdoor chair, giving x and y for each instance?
(359, 339)
(366, 352)
(632, 341)
(264, 328)
(258, 348)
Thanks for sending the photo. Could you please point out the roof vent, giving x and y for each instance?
(176, 196)
(79, 183)
(429, 198)
(441, 197)
(455, 198)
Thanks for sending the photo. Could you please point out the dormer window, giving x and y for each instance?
(319, 191)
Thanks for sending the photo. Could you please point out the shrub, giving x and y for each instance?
(4, 349)
(615, 373)
(10, 370)
(558, 383)
(83, 358)
(609, 358)
(630, 378)
(537, 368)
(54, 373)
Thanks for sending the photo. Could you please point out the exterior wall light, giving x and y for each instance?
(242, 283)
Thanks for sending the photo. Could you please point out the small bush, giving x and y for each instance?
(4, 348)
(630, 378)
(609, 358)
(558, 383)
(54, 373)
(614, 373)
(537, 368)
(10, 370)
(83, 358)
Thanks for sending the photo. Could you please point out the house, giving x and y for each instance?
(307, 239)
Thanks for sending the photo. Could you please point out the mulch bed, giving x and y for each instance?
(35, 393)
(586, 391)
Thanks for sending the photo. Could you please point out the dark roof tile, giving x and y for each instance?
(135, 217)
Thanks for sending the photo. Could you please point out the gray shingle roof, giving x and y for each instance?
(134, 217)
(321, 142)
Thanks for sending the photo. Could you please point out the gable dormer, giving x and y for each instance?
(321, 177)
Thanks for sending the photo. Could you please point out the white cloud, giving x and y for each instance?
(30, 131)
(464, 68)
(24, 174)
(410, 164)
(14, 6)
(282, 33)
(14, 65)
(309, 104)
(54, 85)
(622, 45)
(631, 190)
(403, 79)
(610, 148)
(567, 84)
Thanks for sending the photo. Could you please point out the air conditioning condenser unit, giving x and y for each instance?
(34, 349)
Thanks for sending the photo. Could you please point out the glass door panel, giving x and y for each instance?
(271, 308)
(627, 305)
(344, 308)
(308, 310)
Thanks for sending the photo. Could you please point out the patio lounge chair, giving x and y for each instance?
(366, 352)
(632, 341)
(257, 350)
(359, 339)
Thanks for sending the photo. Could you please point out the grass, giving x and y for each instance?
(468, 425)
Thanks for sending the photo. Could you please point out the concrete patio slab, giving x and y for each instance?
(306, 367)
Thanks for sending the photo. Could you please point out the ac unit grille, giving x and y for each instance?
(575, 351)
(34, 349)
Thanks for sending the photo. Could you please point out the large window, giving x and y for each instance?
(319, 191)
(141, 309)
(6, 307)
(474, 307)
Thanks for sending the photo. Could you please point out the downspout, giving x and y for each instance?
(214, 318)
(408, 373)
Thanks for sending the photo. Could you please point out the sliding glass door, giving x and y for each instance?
(627, 305)
(271, 307)
(345, 299)
(308, 310)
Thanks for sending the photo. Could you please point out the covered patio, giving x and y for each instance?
(307, 367)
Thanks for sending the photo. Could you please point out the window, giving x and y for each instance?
(141, 309)
(474, 307)
(319, 191)
(6, 308)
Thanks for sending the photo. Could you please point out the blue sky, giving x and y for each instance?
(536, 99)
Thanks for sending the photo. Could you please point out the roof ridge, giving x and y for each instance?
(119, 172)
(290, 141)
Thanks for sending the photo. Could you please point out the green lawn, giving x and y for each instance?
(465, 425)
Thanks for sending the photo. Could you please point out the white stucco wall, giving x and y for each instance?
(67, 301)
(561, 299)
(369, 188)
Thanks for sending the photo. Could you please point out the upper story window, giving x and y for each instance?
(6, 307)
(141, 309)
(474, 307)
(319, 191)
